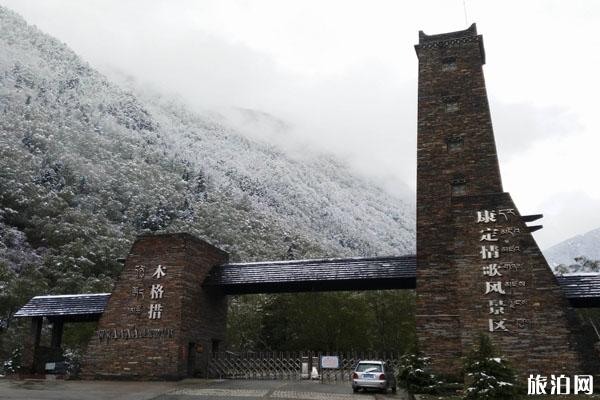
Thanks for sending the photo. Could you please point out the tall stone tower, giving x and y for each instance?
(479, 269)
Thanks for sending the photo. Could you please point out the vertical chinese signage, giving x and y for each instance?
(152, 307)
(503, 291)
(146, 303)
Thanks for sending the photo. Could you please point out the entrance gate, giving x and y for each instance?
(173, 292)
(478, 268)
(291, 365)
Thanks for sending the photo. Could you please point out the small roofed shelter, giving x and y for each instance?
(57, 310)
(582, 289)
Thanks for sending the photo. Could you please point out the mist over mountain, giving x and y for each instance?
(85, 165)
(586, 245)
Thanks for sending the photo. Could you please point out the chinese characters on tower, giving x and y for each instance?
(154, 292)
(495, 247)
(146, 303)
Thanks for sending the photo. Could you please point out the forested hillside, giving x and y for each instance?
(86, 165)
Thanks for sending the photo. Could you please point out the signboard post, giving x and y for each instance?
(329, 362)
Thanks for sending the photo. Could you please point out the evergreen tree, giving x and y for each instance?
(414, 375)
(488, 376)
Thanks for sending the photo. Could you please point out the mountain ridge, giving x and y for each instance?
(584, 245)
(86, 165)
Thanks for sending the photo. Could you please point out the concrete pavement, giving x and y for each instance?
(191, 389)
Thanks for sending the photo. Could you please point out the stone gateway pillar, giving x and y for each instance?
(479, 269)
(160, 323)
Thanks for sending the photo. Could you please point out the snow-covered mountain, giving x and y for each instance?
(86, 164)
(586, 245)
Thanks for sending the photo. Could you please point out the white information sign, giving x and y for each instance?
(330, 362)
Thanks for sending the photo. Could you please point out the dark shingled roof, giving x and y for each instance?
(582, 290)
(315, 275)
(65, 305)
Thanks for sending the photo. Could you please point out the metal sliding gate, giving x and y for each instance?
(290, 365)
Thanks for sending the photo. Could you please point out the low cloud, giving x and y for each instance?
(371, 123)
(343, 79)
(567, 215)
(518, 126)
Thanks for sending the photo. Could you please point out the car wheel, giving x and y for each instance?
(355, 389)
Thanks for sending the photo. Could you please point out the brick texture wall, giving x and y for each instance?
(458, 176)
(133, 343)
(513, 295)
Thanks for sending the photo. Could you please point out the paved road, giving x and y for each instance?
(183, 390)
(81, 390)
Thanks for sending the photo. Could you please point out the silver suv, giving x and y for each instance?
(370, 374)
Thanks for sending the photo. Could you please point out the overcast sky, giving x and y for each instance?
(343, 75)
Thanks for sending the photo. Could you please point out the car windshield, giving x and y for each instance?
(369, 367)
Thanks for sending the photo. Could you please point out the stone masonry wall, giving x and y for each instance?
(455, 146)
(476, 275)
(205, 319)
(156, 310)
(507, 289)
